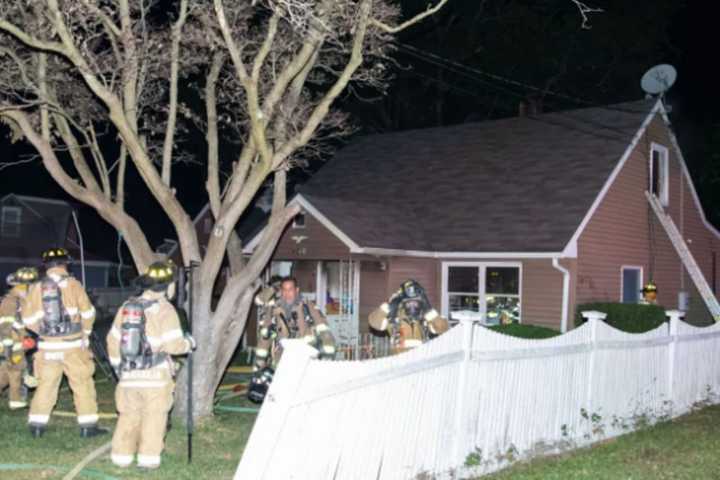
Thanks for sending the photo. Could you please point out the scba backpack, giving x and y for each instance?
(135, 349)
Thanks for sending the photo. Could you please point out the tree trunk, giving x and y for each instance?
(215, 348)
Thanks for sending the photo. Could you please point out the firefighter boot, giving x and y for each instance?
(36, 431)
(92, 431)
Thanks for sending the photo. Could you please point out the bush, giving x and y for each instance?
(525, 331)
(628, 317)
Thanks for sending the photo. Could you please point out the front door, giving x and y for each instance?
(337, 294)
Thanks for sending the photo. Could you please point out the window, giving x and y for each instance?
(299, 221)
(484, 291)
(10, 222)
(631, 284)
(659, 173)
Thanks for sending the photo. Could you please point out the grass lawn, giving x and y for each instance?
(525, 331)
(685, 448)
(217, 445)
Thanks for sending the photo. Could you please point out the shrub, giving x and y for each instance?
(628, 317)
(525, 331)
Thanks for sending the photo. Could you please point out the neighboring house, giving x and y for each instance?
(30, 225)
(522, 218)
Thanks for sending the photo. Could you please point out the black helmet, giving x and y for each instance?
(412, 289)
(55, 256)
(23, 276)
(260, 384)
(158, 275)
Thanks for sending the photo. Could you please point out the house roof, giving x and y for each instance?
(514, 185)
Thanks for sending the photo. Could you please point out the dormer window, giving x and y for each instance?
(299, 221)
(659, 173)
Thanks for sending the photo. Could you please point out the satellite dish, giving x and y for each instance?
(658, 79)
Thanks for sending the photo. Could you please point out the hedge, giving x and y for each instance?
(525, 331)
(628, 317)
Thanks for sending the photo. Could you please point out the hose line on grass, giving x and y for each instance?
(89, 473)
(85, 461)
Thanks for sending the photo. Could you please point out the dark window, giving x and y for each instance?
(502, 280)
(463, 279)
(299, 221)
(631, 285)
(655, 177)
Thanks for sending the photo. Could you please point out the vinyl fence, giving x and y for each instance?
(473, 401)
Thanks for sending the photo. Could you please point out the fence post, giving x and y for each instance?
(674, 316)
(261, 446)
(592, 317)
(466, 325)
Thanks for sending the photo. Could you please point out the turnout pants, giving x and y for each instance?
(78, 366)
(12, 376)
(142, 423)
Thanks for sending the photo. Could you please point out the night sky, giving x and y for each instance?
(535, 43)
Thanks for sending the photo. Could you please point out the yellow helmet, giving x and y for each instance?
(159, 274)
(55, 256)
(650, 287)
(23, 276)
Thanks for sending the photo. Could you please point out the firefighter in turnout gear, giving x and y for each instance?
(145, 335)
(285, 315)
(408, 317)
(12, 333)
(58, 310)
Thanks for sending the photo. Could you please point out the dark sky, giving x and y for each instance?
(685, 39)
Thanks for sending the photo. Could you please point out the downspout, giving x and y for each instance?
(566, 293)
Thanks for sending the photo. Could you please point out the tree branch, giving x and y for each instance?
(416, 19)
(174, 73)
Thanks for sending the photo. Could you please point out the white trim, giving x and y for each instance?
(664, 171)
(622, 280)
(481, 293)
(683, 164)
(571, 247)
(565, 295)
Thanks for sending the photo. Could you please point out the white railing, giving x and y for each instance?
(473, 401)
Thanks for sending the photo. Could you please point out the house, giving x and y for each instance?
(522, 218)
(29, 225)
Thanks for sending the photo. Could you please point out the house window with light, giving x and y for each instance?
(10, 222)
(489, 292)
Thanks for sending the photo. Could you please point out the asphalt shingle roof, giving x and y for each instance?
(513, 185)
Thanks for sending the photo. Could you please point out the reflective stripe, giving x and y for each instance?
(14, 405)
(143, 383)
(309, 339)
(88, 314)
(115, 361)
(60, 345)
(38, 419)
(431, 315)
(37, 316)
(122, 460)
(384, 324)
(71, 310)
(7, 320)
(172, 335)
(322, 328)
(87, 332)
(87, 419)
(148, 460)
(413, 343)
(17, 347)
(115, 333)
(385, 307)
(261, 352)
(329, 349)
(431, 328)
(17, 325)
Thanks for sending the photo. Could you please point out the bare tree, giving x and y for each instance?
(78, 75)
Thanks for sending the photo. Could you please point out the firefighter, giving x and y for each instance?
(649, 294)
(146, 333)
(408, 317)
(58, 310)
(12, 356)
(285, 315)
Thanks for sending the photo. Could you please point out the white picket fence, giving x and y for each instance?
(473, 401)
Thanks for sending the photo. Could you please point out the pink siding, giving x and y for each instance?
(320, 243)
(624, 231)
(373, 289)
